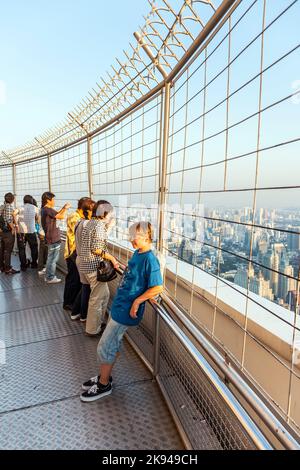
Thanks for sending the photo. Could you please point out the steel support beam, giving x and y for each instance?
(49, 172)
(163, 164)
(90, 166)
(149, 53)
(14, 183)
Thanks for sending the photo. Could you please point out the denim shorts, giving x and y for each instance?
(110, 342)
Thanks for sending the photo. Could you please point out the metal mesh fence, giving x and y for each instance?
(125, 168)
(202, 412)
(6, 180)
(69, 175)
(32, 179)
(232, 233)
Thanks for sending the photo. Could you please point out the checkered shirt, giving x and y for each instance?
(7, 211)
(94, 237)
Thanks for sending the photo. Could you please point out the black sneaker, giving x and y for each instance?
(93, 381)
(96, 392)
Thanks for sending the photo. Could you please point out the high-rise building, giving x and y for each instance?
(261, 216)
(186, 252)
(257, 285)
(285, 283)
(270, 271)
(293, 240)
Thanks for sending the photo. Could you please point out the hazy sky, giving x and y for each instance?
(52, 53)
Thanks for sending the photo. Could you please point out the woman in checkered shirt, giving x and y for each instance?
(93, 251)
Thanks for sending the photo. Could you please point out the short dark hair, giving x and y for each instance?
(86, 204)
(102, 209)
(28, 199)
(34, 203)
(47, 197)
(9, 198)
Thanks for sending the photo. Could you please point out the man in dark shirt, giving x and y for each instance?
(52, 234)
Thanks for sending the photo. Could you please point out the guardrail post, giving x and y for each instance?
(163, 164)
(156, 344)
(89, 166)
(49, 172)
(14, 183)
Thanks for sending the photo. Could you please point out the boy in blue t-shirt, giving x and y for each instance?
(141, 281)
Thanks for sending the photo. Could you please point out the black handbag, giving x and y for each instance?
(106, 271)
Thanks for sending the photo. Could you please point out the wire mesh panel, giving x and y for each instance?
(232, 221)
(205, 417)
(32, 179)
(6, 181)
(126, 168)
(69, 175)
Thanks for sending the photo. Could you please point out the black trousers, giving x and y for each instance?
(31, 239)
(81, 303)
(72, 284)
(7, 245)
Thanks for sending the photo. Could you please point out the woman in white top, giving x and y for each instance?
(27, 217)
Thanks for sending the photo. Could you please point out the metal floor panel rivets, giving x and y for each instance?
(47, 358)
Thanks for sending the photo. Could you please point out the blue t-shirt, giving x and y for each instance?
(143, 272)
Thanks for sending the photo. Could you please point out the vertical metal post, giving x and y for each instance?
(49, 172)
(156, 350)
(14, 183)
(164, 137)
(163, 166)
(89, 166)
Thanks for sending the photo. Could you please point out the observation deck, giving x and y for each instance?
(196, 130)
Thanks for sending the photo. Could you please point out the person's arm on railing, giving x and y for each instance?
(149, 294)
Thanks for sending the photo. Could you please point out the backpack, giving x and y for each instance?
(3, 225)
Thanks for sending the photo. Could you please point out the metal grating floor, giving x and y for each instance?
(47, 358)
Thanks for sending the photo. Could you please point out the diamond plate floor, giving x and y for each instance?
(47, 358)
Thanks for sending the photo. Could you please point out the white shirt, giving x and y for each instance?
(26, 217)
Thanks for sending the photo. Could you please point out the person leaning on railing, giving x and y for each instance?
(92, 251)
(72, 281)
(141, 281)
